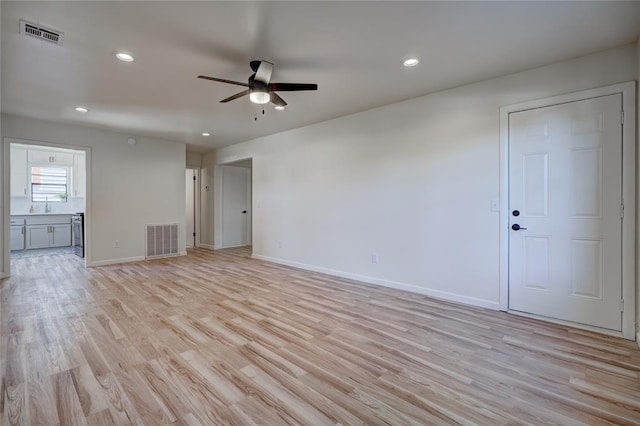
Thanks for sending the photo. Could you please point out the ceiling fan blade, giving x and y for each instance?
(292, 87)
(277, 100)
(222, 80)
(264, 72)
(236, 96)
(255, 65)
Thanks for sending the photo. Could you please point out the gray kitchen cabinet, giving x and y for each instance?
(45, 231)
(46, 236)
(38, 236)
(60, 235)
(17, 237)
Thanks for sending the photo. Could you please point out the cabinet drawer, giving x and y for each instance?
(48, 220)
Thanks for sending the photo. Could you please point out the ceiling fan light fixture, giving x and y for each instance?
(258, 96)
(279, 107)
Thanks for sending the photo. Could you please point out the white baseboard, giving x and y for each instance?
(115, 261)
(182, 253)
(437, 294)
(239, 245)
(3, 275)
(208, 246)
(638, 339)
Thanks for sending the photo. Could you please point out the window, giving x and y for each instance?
(49, 184)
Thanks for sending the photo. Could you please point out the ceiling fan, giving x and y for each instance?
(260, 89)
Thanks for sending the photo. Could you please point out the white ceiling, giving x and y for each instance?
(352, 50)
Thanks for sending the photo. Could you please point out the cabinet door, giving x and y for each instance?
(19, 177)
(17, 238)
(38, 236)
(61, 235)
(37, 156)
(62, 158)
(40, 157)
(79, 176)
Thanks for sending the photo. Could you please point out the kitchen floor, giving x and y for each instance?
(18, 254)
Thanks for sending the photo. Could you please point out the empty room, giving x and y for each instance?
(319, 212)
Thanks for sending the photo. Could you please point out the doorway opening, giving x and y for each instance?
(235, 210)
(47, 197)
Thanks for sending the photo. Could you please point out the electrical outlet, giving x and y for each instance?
(116, 244)
(374, 257)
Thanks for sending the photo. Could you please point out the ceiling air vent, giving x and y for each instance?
(40, 32)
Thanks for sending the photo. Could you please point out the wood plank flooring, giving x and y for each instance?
(220, 338)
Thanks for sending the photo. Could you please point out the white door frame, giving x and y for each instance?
(196, 197)
(628, 91)
(6, 199)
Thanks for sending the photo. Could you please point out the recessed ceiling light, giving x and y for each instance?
(206, 134)
(279, 107)
(411, 62)
(124, 57)
(82, 109)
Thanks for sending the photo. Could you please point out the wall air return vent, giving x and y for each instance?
(162, 240)
(37, 31)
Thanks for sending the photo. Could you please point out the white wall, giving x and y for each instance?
(130, 185)
(194, 159)
(411, 182)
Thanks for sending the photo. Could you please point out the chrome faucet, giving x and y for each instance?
(47, 207)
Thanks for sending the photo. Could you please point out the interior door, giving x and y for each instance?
(236, 182)
(565, 186)
(190, 182)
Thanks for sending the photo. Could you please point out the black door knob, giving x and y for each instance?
(517, 227)
(516, 212)
(244, 211)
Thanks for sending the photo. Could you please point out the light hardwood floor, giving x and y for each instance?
(220, 338)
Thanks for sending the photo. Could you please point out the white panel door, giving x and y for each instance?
(565, 186)
(190, 207)
(236, 182)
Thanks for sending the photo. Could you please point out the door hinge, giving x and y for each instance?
(621, 211)
(194, 234)
(194, 178)
(622, 305)
(622, 118)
